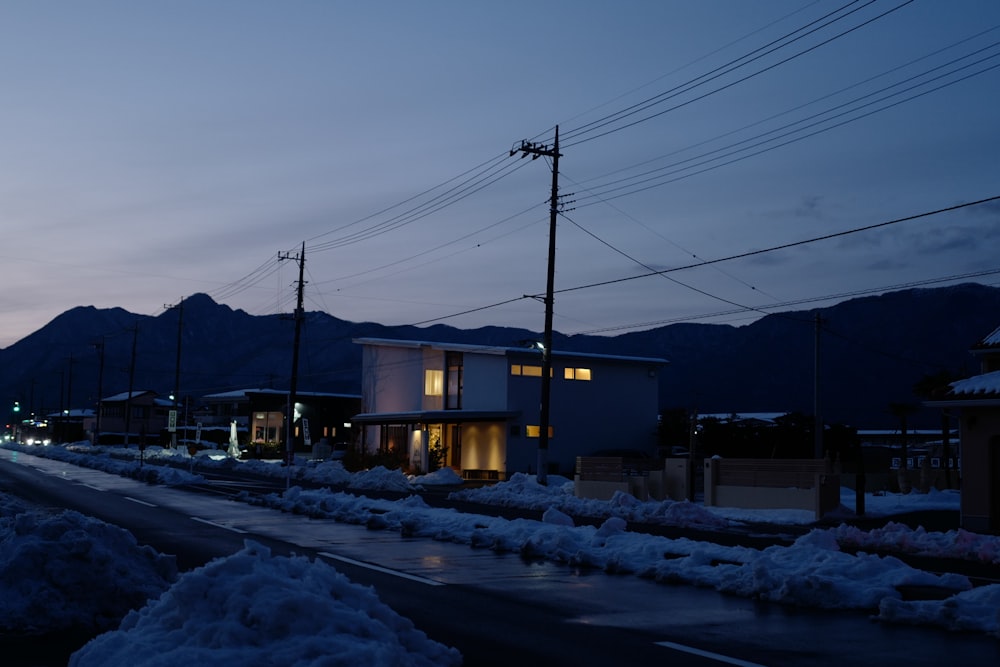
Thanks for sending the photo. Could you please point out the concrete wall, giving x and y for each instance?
(781, 488)
(670, 483)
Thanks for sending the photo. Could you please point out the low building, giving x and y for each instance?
(476, 408)
(260, 417)
(977, 400)
(137, 417)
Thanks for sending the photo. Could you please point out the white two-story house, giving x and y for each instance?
(479, 405)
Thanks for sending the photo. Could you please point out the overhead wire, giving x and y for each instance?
(635, 184)
(785, 246)
(798, 302)
(585, 134)
(749, 253)
(797, 108)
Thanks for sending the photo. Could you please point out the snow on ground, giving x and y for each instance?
(828, 567)
(255, 609)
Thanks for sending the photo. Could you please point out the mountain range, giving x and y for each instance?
(868, 354)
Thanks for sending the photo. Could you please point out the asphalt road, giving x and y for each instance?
(497, 609)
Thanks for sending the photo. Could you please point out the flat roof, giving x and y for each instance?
(503, 351)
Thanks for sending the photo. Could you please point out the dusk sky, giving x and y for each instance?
(153, 150)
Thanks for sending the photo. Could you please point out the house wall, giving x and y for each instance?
(483, 446)
(980, 433)
(393, 379)
(616, 409)
(484, 382)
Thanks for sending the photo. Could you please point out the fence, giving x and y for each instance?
(601, 477)
(807, 484)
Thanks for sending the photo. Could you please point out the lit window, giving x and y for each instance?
(515, 369)
(577, 374)
(534, 430)
(433, 383)
(526, 370)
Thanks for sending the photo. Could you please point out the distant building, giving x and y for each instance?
(977, 399)
(478, 406)
(260, 417)
(137, 418)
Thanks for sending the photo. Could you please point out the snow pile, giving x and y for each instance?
(813, 571)
(256, 609)
(524, 491)
(833, 568)
(68, 571)
(895, 537)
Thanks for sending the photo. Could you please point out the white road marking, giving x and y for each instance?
(708, 654)
(140, 502)
(384, 570)
(219, 525)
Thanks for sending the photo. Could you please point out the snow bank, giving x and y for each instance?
(256, 609)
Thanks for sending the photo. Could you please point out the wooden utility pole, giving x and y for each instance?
(175, 396)
(817, 419)
(131, 382)
(299, 316)
(100, 392)
(537, 150)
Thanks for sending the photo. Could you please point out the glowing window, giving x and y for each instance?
(577, 374)
(433, 382)
(526, 370)
(534, 430)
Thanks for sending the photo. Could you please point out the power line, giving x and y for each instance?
(785, 246)
(635, 184)
(728, 258)
(798, 302)
(726, 69)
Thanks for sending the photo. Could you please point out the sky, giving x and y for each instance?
(717, 159)
(194, 617)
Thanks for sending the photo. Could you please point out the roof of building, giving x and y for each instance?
(432, 416)
(244, 393)
(991, 340)
(734, 417)
(503, 351)
(977, 385)
(124, 396)
(981, 389)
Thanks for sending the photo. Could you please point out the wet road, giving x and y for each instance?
(498, 609)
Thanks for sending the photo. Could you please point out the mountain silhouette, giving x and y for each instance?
(872, 351)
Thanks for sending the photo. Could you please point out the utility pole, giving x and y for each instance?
(100, 392)
(69, 385)
(131, 382)
(818, 425)
(299, 316)
(537, 150)
(175, 397)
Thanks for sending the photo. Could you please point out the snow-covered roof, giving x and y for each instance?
(124, 396)
(992, 339)
(743, 416)
(978, 385)
(502, 351)
(75, 412)
(243, 393)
